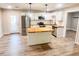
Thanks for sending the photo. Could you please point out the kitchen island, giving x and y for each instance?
(39, 35)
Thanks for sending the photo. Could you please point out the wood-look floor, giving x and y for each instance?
(71, 34)
(16, 45)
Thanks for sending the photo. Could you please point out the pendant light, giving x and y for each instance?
(46, 11)
(30, 15)
(30, 9)
(46, 7)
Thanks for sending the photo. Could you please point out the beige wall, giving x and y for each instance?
(1, 24)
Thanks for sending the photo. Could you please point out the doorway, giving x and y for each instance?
(14, 27)
(71, 27)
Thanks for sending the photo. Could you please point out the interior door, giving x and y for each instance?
(14, 24)
(77, 33)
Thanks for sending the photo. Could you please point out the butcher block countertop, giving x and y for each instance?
(39, 29)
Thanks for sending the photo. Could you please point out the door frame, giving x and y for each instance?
(65, 23)
(18, 24)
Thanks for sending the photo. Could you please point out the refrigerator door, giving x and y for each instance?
(23, 23)
(28, 21)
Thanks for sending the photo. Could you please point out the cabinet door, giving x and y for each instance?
(60, 32)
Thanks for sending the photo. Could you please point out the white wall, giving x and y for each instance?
(1, 33)
(59, 15)
(7, 20)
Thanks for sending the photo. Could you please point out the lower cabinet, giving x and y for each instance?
(60, 32)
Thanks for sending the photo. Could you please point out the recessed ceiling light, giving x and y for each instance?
(60, 5)
(9, 7)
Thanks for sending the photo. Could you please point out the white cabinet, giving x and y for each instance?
(77, 34)
(39, 38)
(60, 32)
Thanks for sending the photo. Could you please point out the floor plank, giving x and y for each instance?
(16, 45)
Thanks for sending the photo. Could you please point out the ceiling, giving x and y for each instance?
(35, 6)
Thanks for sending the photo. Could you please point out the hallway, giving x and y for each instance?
(16, 45)
(71, 34)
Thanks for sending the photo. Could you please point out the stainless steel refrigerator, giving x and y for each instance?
(26, 23)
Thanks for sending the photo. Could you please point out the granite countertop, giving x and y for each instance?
(59, 25)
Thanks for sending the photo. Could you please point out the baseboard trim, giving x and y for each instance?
(68, 29)
(71, 29)
(77, 43)
(1, 36)
(11, 33)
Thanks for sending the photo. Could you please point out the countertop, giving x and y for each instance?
(58, 25)
(49, 28)
(39, 29)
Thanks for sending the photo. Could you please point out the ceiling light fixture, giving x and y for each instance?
(46, 7)
(60, 5)
(46, 11)
(30, 9)
(9, 7)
